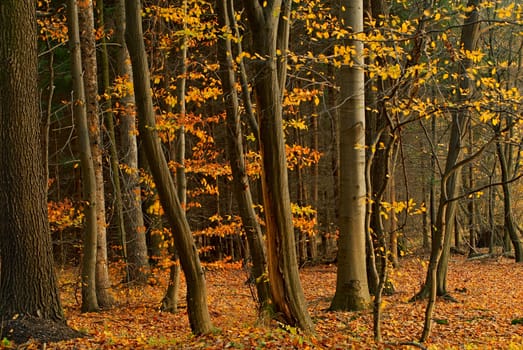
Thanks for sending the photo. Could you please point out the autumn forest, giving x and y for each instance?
(261, 174)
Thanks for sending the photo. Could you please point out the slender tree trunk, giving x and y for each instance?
(109, 122)
(510, 225)
(352, 291)
(270, 27)
(199, 317)
(88, 271)
(436, 281)
(136, 245)
(90, 75)
(170, 300)
(236, 158)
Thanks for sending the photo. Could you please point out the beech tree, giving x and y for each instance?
(88, 269)
(134, 227)
(352, 291)
(242, 189)
(90, 78)
(270, 26)
(199, 317)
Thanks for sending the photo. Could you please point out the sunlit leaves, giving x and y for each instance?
(64, 214)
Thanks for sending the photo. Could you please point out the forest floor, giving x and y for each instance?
(489, 296)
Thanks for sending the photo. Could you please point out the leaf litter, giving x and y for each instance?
(489, 296)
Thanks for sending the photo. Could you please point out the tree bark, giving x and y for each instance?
(508, 216)
(109, 123)
(88, 270)
(241, 184)
(28, 285)
(270, 28)
(352, 291)
(199, 317)
(136, 245)
(90, 77)
(436, 280)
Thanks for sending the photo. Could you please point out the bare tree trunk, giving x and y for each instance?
(199, 317)
(90, 75)
(88, 270)
(510, 225)
(236, 158)
(170, 300)
(352, 291)
(136, 246)
(109, 122)
(436, 281)
(270, 27)
(28, 285)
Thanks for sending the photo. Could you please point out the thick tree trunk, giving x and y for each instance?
(28, 285)
(89, 297)
(136, 245)
(90, 76)
(199, 317)
(352, 291)
(269, 25)
(241, 184)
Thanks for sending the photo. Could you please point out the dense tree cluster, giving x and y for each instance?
(278, 132)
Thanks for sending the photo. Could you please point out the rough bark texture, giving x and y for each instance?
(29, 295)
(89, 298)
(199, 317)
(90, 76)
(270, 28)
(28, 284)
(242, 189)
(352, 291)
(136, 245)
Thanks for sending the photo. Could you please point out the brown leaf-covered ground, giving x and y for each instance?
(489, 294)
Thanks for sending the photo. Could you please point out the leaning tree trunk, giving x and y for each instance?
(352, 291)
(28, 285)
(90, 76)
(270, 29)
(236, 157)
(199, 317)
(88, 270)
(136, 245)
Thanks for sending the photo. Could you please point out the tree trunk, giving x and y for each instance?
(109, 122)
(170, 300)
(352, 291)
(199, 317)
(270, 28)
(508, 216)
(89, 298)
(136, 245)
(241, 184)
(436, 281)
(90, 76)
(28, 285)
